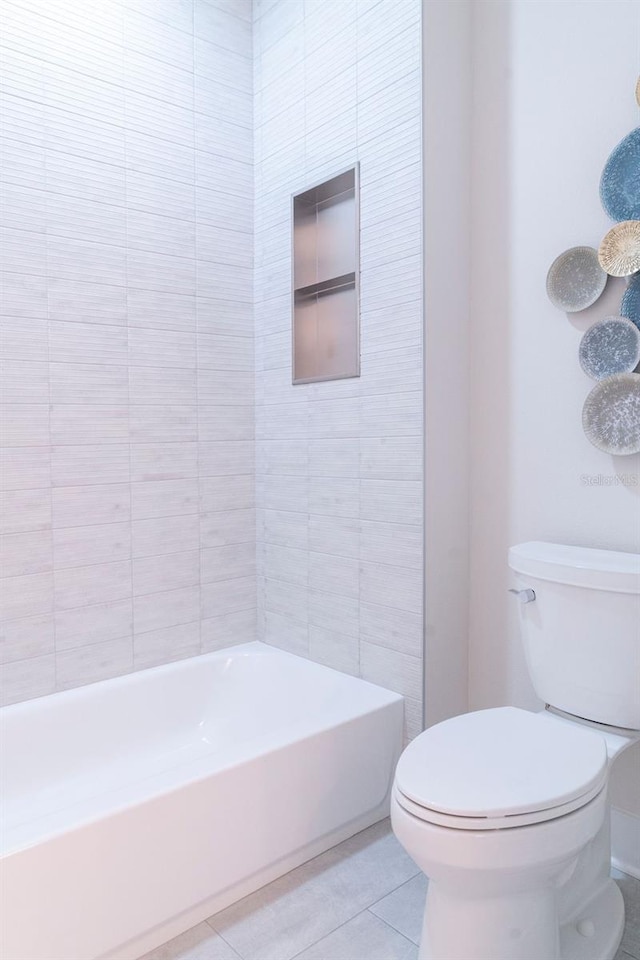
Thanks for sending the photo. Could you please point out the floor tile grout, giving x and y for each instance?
(395, 889)
(344, 924)
(399, 917)
(222, 937)
(395, 929)
(388, 922)
(339, 926)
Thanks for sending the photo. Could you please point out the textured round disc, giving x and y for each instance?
(638, 92)
(619, 252)
(620, 180)
(575, 279)
(610, 346)
(630, 304)
(611, 414)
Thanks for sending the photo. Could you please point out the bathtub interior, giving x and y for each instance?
(72, 758)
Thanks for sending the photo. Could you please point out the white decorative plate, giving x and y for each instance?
(575, 279)
(611, 414)
(619, 252)
(610, 346)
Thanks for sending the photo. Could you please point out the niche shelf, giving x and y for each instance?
(325, 302)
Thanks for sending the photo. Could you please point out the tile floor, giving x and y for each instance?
(362, 900)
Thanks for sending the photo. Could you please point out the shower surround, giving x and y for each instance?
(339, 464)
(127, 338)
(142, 144)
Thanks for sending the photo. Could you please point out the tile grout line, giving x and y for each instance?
(339, 927)
(388, 922)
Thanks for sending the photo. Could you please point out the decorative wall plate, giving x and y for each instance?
(630, 304)
(575, 279)
(610, 346)
(611, 414)
(620, 180)
(619, 252)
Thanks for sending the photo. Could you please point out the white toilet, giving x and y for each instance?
(506, 810)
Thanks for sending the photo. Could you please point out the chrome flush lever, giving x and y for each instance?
(524, 596)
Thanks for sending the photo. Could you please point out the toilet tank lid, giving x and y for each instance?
(579, 566)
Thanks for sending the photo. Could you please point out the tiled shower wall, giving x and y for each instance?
(127, 433)
(339, 464)
(128, 528)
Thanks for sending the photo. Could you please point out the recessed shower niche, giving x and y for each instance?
(325, 280)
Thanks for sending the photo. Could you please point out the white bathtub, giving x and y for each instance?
(136, 807)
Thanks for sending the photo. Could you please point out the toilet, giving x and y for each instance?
(506, 810)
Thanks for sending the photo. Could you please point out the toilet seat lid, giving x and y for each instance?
(500, 763)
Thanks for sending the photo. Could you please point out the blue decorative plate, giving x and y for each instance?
(620, 181)
(610, 346)
(630, 305)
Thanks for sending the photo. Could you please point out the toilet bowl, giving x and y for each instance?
(506, 810)
(502, 809)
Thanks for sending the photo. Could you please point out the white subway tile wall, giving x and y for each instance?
(339, 464)
(136, 136)
(126, 337)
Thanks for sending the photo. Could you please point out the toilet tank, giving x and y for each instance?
(581, 634)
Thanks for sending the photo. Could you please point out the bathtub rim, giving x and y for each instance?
(131, 792)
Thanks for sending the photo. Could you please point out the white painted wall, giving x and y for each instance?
(446, 33)
(553, 94)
